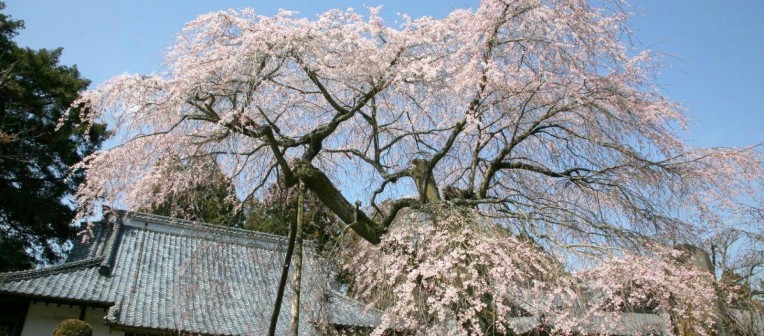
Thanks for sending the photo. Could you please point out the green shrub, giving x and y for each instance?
(72, 327)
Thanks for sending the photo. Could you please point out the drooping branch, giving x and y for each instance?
(572, 172)
(389, 178)
(317, 136)
(494, 166)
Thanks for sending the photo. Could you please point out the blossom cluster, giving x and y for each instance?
(451, 271)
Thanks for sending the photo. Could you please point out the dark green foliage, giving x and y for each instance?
(72, 327)
(36, 154)
(213, 201)
(12, 254)
(278, 209)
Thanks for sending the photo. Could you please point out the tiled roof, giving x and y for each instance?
(161, 273)
(606, 323)
(77, 280)
(748, 320)
(348, 312)
(167, 274)
(625, 324)
(599, 323)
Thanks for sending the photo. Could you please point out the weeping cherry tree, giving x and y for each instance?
(519, 147)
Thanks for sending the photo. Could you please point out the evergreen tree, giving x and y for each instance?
(210, 201)
(39, 142)
(277, 209)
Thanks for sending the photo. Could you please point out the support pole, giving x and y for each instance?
(296, 282)
(284, 275)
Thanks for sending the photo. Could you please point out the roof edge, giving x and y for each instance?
(358, 304)
(113, 316)
(35, 273)
(211, 228)
(112, 245)
(58, 300)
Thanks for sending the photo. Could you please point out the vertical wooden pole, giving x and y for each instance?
(285, 269)
(296, 282)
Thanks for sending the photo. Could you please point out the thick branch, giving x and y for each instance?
(317, 136)
(541, 169)
(332, 198)
(425, 181)
(397, 206)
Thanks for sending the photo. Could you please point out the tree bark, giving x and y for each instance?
(296, 282)
(425, 181)
(332, 198)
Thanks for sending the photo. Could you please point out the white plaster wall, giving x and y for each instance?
(42, 319)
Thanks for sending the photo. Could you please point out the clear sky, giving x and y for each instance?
(714, 64)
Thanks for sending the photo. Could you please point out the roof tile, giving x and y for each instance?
(178, 275)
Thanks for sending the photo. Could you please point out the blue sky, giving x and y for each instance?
(714, 63)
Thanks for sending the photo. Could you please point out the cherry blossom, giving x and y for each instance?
(535, 114)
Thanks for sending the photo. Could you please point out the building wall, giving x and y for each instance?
(43, 318)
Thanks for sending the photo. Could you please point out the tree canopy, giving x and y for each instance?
(38, 145)
(538, 115)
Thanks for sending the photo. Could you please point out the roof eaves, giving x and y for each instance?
(361, 307)
(211, 228)
(112, 319)
(58, 299)
(112, 245)
(57, 269)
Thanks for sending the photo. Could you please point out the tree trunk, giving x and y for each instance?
(296, 282)
(425, 181)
